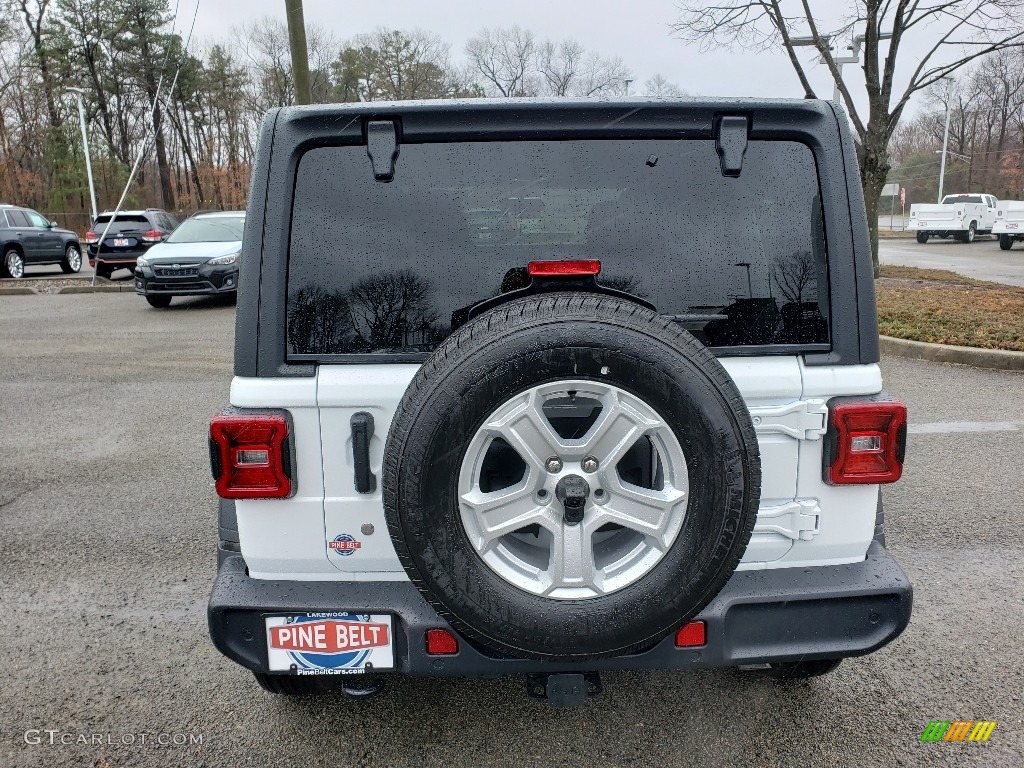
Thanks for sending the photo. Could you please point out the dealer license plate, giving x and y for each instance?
(336, 643)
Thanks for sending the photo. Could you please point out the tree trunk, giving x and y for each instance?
(873, 159)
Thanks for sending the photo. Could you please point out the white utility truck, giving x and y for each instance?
(959, 216)
(1009, 224)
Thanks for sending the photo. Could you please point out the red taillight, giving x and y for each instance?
(691, 635)
(152, 236)
(250, 456)
(866, 442)
(563, 268)
(441, 642)
(91, 237)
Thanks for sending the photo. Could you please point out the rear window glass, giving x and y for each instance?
(393, 268)
(122, 218)
(962, 199)
(17, 218)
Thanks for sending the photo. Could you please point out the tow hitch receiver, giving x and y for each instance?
(564, 690)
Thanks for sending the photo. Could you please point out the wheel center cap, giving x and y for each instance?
(572, 491)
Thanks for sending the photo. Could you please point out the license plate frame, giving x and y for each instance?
(329, 643)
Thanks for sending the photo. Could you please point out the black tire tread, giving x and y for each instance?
(159, 302)
(3, 261)
(65, 265)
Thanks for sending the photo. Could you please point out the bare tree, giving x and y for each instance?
(390, 307)
(504, 58)
(795, 276)
(957, 32)
(319, 322)
(264, 47)
(659, 87)
(567, 69)
(601, 77)
(999, 83)
(559, 64)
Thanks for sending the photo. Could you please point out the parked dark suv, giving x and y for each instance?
(131, 234)
(27, 238)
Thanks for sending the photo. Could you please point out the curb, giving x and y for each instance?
(96, 289)
(18, 291)
(997, 359)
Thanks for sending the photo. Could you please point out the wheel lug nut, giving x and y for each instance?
(554, 464)
(589, 464)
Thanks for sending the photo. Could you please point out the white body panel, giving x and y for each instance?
(953, 217)
(801, 522)
(1009, 218)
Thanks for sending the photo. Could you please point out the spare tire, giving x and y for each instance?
(570, 477)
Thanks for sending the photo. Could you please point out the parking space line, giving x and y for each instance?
(949, 427)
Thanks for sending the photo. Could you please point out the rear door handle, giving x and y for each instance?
(362, 430)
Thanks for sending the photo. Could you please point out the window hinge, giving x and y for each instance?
(731, 143)
(797, 519)
(382, 146)
(802, 419)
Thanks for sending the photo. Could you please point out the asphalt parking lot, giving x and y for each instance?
(982, 259)
(109, 526)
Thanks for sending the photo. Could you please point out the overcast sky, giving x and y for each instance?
(637, 31)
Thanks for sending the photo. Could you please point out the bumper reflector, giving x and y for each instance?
(691, 635)
(441, 642)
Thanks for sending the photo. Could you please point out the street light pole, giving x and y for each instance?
(945, 145)
(85, 148)
(750, 284)
(853, 58)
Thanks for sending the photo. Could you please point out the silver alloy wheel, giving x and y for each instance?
(74, 258)
(15, 264)
(523, 532)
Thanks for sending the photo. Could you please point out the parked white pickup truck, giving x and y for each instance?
(959, 216)
(1009, 224)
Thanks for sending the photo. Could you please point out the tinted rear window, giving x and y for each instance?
(17, 218)
(393, 268)
(133, 221)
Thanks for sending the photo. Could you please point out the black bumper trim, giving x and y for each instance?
(760, 616)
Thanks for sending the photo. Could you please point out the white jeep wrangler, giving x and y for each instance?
(508, 400)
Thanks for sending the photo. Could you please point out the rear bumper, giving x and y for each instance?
(759, 617)
(937, 226)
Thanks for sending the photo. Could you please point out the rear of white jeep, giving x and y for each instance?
(509, 400)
